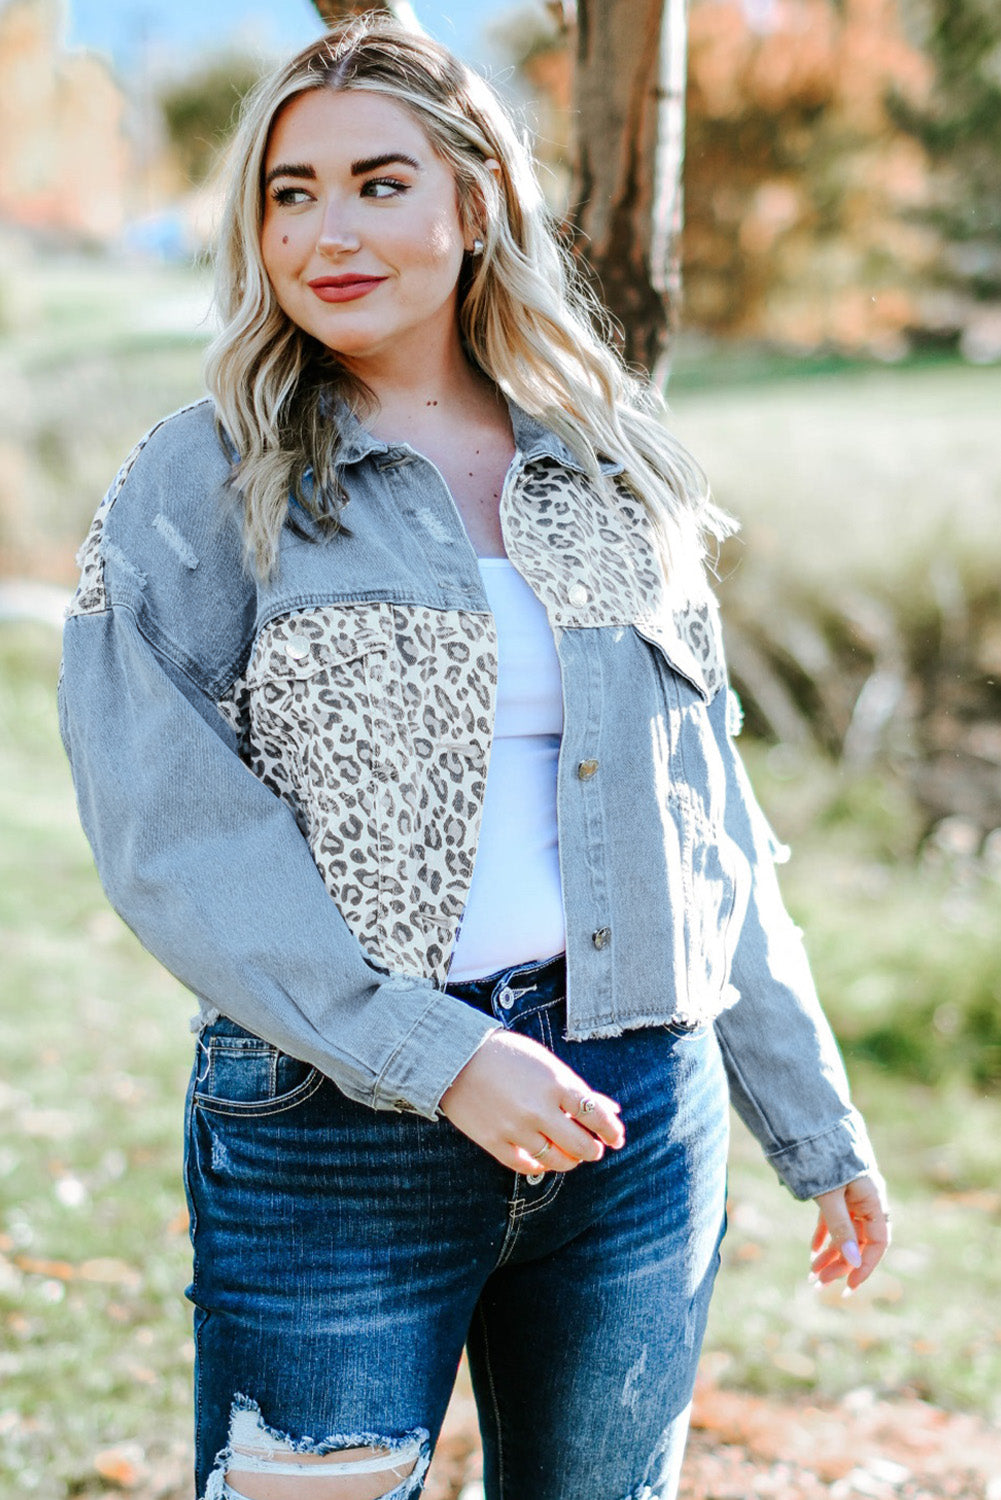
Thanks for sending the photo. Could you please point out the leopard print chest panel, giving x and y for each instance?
(373, 721)
(590, 556)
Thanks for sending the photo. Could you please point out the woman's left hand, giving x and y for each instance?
(852, 1233)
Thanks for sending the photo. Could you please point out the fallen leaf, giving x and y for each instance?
(62, 1270)
(109, 1272)
(122, 1466)
(179, 1223)
(984, 1200)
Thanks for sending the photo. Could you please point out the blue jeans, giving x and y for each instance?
(343, 1257)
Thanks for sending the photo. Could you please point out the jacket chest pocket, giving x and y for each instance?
(324, 701)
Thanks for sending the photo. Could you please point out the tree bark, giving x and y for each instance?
(629, 88)
(337, 10)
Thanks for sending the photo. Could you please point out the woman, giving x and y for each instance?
(426, 523)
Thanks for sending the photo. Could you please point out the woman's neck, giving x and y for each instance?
(417, 415)
(424, 396)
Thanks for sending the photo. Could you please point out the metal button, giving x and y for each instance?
(506, 998)
(578, 594)
(534, 1178)
(602, 937)
(586, 769)
(297, 646)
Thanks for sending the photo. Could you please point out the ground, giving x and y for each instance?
(743, 1447)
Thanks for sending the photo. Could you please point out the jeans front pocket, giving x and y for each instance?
(240, 1074)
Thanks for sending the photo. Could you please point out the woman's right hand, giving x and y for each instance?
(514, 1095)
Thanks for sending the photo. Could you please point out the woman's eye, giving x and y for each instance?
(288, 197)
(383, 187)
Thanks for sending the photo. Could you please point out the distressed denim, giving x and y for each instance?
(243, 750)
(343, 1256)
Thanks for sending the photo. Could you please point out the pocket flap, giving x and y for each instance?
(303, 644)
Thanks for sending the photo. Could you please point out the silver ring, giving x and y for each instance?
(587, 1106)
(538, 1155)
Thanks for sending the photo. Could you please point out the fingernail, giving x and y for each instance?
(850, 1251)
(847, 1291)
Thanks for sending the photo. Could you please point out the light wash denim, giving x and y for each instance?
(672, 904)
(343, 1256)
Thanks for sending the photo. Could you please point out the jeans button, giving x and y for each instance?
(506, 998)
(534, 1178)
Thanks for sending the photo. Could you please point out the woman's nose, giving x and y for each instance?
(338, 235)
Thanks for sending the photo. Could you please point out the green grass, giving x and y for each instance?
(91, 354)
(906, 957)
(924, 1325)
(872, 484)
(96, 1350)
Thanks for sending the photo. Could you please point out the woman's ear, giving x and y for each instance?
(477, 213)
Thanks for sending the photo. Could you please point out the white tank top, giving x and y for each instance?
(515, 909)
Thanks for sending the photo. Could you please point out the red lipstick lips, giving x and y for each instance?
(344, 288)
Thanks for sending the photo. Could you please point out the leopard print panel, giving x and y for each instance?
(235, 709)
(373, 721)
(589, 554)
(91, 597)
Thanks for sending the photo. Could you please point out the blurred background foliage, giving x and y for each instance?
(199, 111)
(839, 375)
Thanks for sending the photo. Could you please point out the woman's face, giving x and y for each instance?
(361, 237)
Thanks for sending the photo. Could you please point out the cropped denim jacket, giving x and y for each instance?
(282, 781)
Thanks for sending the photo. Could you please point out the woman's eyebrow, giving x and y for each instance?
(301, 170)
(372, 163)
(304, 172)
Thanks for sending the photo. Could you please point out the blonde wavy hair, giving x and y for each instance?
(526, 316)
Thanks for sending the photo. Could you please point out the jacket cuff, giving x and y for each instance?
(428, 1059)
(826, 1161)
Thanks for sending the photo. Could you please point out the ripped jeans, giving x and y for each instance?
(343, 1257)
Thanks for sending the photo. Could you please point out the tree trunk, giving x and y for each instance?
(337, 10)
(629, 87)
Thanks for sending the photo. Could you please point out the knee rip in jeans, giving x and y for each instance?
(259, 1463)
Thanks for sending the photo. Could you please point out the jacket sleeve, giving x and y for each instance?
(787, 1079)
(209, 869)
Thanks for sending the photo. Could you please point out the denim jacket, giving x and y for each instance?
(282, 781)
